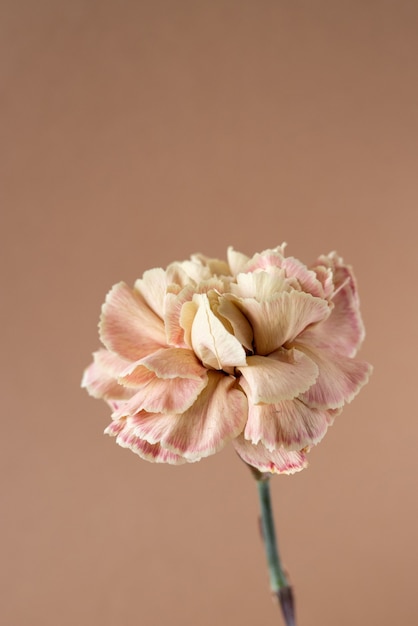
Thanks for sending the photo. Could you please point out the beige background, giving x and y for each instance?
(134, 133)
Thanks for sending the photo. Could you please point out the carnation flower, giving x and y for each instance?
(255, 351)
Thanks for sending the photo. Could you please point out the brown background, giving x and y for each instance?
(135, 133)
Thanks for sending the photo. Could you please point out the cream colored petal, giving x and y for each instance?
(125, 437)
(174, 327)
(343, 330)
(196, 271)
(175, 363)
(152, 287)
(280, 320)
(212, 343)
(307, 279)
(110, 362)
(136, 375)
(278, 461)
(261, 285)
(215, 266)
(149, 452)
(128, 326)
(239, 323)
(325, 277)
(342, 274)
(178, 319)
(265, 260)
(215, 283)
(176, 275)
(102, 384)
(289, 424)
(281, 376)
(115, 427)
(159, 395)
(218, 415)
(236, 261)
(340, 378)
(187, 316)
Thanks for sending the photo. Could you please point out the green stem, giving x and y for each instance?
(277, 576)
(278, 581)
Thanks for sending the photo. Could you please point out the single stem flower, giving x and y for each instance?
(257, 351)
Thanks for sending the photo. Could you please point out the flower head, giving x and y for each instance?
(258, 351)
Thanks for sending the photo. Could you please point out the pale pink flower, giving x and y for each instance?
(258, 351)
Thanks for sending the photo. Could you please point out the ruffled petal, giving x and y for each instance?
(100, 378)
(150, 452)
(281, 376)
(195, 270)
(115, 427)
(343, 330)
(128, 326)
(152, 287)
(174, 363)
(172, 318)
(278, 461)
(110, 362)
(179, 312)
(342, 274)
(266, 260)
(344, 278)
(239, 323)
(306, 278)
(324, 275)
(340, 378)
(218, 415)
(236, 261)
(160, 395)
(275, 322)
(176, 275)
(289, 424)
(106, 365)
(215, 266)
(261, 285)
(213, 344)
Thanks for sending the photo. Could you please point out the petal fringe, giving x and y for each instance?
(218, 415)
(128, 326)
(278, 461)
